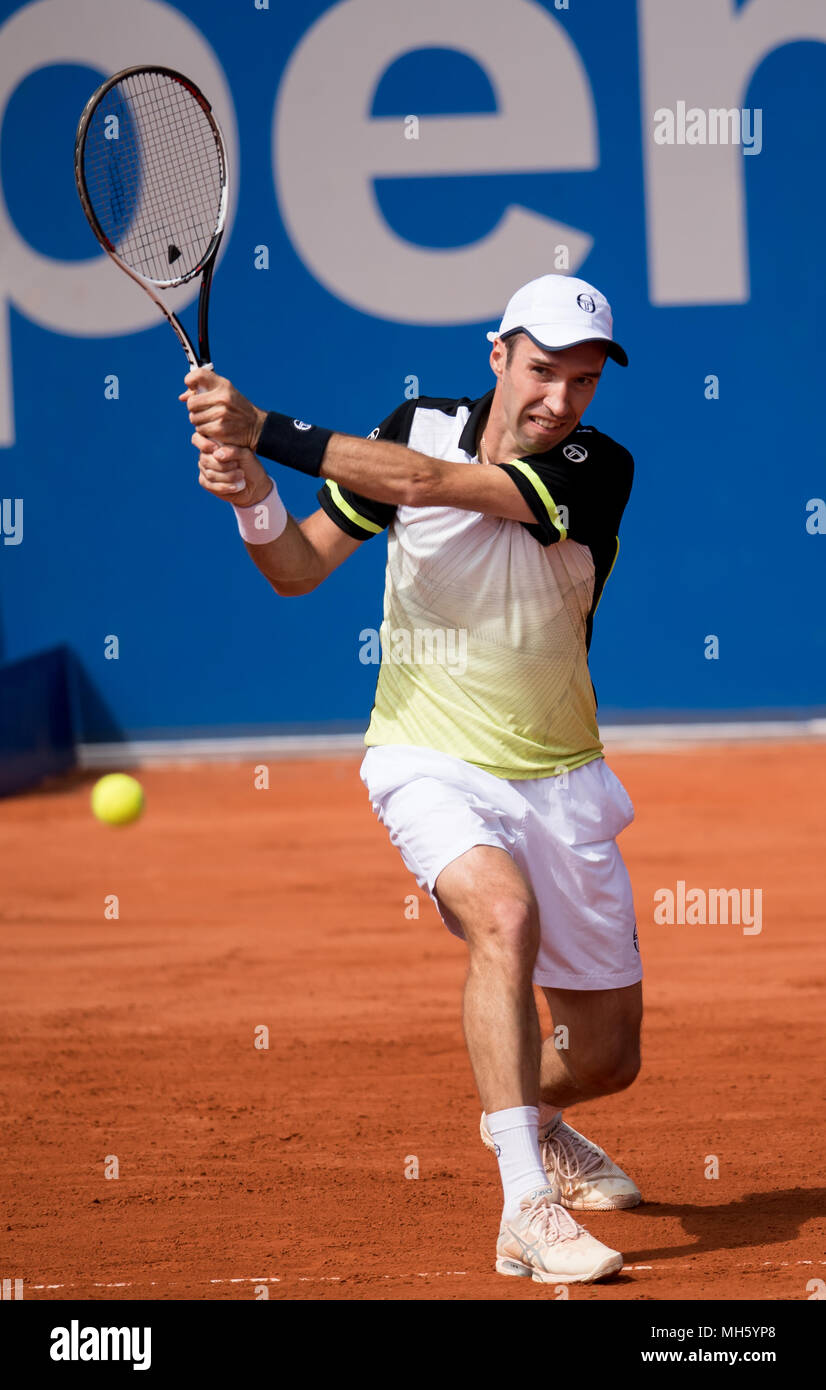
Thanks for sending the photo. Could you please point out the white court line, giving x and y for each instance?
(666, 1266)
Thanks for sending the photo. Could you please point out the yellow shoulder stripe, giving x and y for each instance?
(350, 512)
(610, 572)
(543, 494)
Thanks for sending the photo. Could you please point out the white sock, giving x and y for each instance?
(514, 1133)
(548, 1115)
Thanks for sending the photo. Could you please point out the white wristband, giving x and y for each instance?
(263, 521)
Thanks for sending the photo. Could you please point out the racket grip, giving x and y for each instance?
(210, 367)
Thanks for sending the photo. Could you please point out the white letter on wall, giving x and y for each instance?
(327, 151)
(92, 298)
(704, 54)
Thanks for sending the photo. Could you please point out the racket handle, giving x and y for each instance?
(210, 367)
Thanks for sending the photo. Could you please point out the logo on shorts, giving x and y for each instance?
(575, 453)
(374, 434)
(636, 940)
(586, 302)
(300, 425)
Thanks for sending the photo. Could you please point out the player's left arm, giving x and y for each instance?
(375, 468)
(393, 473)
(400, 476)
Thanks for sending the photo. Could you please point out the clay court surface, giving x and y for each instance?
(241, 1167)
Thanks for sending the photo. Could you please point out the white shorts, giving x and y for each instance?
(560, 831)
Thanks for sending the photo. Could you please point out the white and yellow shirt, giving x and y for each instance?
(487, 622)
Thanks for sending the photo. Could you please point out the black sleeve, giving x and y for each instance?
(361, 517)
(580, 496)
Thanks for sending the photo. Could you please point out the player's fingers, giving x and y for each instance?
(218, 489)
(204, 445)
(224, 459)
(201, 379)
(200, 403)
(215, 425)
(199, 407)
(225, 480)
(220, 469)
(211, 420)
(221, 488)
(219, 472)
(210, 429)
(224, 466)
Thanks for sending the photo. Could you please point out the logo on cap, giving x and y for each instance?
(586, 302)
(575, 453)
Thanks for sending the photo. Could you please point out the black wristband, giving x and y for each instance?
(293, 443)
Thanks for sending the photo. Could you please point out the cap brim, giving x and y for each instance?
(614, 351)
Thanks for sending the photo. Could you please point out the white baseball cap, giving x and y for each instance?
(558, 311)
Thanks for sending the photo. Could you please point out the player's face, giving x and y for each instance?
(545, 394)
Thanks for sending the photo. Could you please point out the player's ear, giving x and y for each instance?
(498, 357)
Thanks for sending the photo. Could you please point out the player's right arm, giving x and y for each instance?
(305, 553)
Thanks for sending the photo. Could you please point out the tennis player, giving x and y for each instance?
(483, 758)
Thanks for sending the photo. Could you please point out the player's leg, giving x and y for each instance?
(600, 1054)
(594, 1049)
(588, 965)
(496, 909)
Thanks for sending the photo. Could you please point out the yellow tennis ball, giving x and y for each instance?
(117, 799)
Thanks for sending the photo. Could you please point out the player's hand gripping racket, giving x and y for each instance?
(153, 184)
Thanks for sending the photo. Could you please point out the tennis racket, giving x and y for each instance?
(151, 171)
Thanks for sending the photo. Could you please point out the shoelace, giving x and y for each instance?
(573, 1157)
(551, 1221)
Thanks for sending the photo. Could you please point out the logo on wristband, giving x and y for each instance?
(300, 425)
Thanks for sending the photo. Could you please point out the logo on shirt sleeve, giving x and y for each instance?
(575, 453)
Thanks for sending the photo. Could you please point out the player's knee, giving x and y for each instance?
(508, 929)
(605, 1076)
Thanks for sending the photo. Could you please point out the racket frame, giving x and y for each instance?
(206, 265)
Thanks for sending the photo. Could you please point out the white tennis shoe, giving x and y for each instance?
(585, 1178)
(544, 1243)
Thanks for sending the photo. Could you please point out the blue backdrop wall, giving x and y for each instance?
(398, 169)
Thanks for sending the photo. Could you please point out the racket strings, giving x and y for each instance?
(156, 189)
(192, 189)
